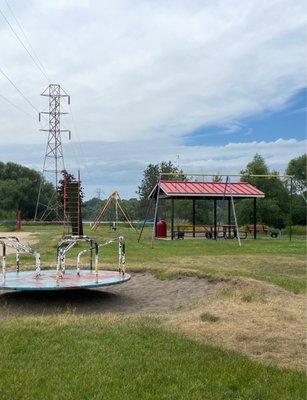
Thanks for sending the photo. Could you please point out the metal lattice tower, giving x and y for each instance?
(54, 158)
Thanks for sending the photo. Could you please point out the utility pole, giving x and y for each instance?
(54, 158)
(98, 193)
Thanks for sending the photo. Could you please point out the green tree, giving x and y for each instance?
(298, 210)
(92, 207)
(66, 176)
(217, 178)
(274, 208)
(297, 167)
(256, 167)
(19, 187)
(151, 175)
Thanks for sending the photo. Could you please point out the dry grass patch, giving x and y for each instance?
(285, 271)
(245, 262)
(262, 321)
(24, 237)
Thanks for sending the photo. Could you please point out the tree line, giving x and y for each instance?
(19, 187)
(273, 210)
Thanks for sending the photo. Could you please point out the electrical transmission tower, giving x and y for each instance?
(54, 158)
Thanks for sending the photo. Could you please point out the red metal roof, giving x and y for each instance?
(208, 189)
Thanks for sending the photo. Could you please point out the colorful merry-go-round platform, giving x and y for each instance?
(61, 277)
(48, 280)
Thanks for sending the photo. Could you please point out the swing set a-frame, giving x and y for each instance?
(114, 200)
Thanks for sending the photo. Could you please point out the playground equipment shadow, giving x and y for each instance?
(144, 294)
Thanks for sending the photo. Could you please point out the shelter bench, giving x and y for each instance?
(207, 231)
(259, 229)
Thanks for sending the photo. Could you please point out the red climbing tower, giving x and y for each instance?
(72, 206)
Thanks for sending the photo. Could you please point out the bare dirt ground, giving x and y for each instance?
(143, 294)
(24, 237)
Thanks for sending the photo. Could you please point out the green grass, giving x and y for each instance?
(70, 357)
(296, 230)
(276, 261)
(7, 227)
(102, 358)
(208, 317)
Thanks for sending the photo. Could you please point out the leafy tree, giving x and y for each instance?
(244, 211)
(217, 178)
(274, 208)
(69, 178)
(298, 168)
(298, 210)
(151, 176)
(91, 208)
(19, 187)
(256, 167)
(132, 207)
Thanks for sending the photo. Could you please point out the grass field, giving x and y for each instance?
(117, 358)
(275, 261)
(171, 356)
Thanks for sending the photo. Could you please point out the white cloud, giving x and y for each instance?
(119, 166)
(143, 74)
(154, 68)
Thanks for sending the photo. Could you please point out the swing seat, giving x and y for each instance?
(180, 235)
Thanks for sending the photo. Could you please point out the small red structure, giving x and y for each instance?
(161, 230)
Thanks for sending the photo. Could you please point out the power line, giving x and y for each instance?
(21, 42)
(24, 97)
(18, 90)
(15, 106)
(81, 152)
(26, 37)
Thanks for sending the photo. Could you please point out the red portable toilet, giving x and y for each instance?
(161, 230)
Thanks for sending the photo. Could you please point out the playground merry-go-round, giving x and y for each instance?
(61, 278)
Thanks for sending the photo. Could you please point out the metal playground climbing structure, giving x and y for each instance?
(40, 278)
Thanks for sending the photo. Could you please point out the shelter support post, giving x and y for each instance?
(154, 230)
(290, 211)
(215, 217)
(229, 217)
(145, 220)
(255, 218)
(172, 219)
(193, 216)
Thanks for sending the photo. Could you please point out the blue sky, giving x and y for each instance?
(285, 123)
(211, 81)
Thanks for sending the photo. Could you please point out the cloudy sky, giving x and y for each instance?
(211, 81)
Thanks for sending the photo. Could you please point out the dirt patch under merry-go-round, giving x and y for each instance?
(143, 294)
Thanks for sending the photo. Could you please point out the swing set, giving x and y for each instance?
(114, 200)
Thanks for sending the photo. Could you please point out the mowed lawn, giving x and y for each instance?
(109, 357)
(276, 261)
(118, 357)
